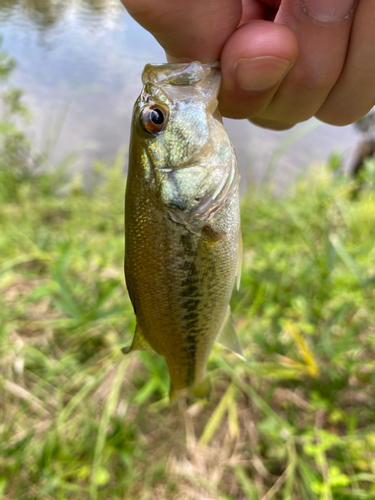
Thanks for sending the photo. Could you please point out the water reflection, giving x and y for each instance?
(43, 12)
(46, 14)
(90, 54)
(99, 6)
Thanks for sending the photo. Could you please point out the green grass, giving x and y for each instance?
(78, 420)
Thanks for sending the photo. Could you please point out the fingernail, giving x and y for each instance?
(260, 73)
(328, 11)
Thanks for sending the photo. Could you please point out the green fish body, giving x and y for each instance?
(182, 221)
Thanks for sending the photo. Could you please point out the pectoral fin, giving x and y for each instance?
(212, 235)
(228, 338)
(239, 259)
(139, 343)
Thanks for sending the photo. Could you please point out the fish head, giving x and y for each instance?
(188, 160)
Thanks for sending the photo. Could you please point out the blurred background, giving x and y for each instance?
(80, 63)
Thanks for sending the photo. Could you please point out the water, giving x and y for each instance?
(80, 62)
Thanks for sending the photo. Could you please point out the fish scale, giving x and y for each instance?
(182, 222)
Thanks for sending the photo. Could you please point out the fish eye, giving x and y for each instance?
(154, 118)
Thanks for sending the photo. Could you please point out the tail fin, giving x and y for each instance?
(203, 389)
(200, 390)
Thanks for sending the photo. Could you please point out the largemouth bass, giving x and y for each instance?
(182, 221)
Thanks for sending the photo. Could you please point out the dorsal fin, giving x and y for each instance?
(139, 342)
(227, 336)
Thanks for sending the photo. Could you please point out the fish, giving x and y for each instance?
(183, 246)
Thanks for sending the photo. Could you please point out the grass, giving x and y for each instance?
(78, 420)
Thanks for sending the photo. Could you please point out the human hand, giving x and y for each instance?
(287, 61)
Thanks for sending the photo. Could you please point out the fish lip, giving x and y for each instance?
(175, 73)
(203, 79)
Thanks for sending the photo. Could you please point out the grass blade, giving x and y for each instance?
(112, 400)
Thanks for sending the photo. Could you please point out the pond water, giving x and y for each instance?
(80, 61)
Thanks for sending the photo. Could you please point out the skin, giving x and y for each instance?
(299, 61)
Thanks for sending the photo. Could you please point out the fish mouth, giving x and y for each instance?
(179, 74)
(184, 81)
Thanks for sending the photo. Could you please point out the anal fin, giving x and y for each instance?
(139, 343)
(227, 336)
